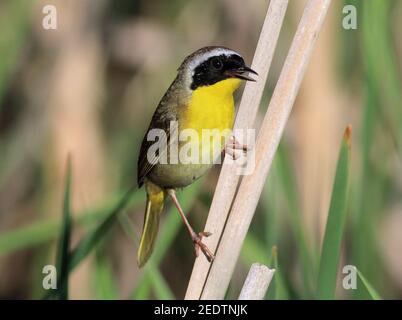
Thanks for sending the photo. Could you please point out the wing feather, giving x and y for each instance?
(161, 119)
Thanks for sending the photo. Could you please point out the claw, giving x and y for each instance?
(198, 244)
(205, 234)
(234, 145)
(231, 152)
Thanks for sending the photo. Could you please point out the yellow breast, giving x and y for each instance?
(211, 107)
(210, 114)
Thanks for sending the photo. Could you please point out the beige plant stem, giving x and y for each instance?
(267, 142)
(257, 282)
(227, 183)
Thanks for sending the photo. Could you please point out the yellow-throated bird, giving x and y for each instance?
(200, 98)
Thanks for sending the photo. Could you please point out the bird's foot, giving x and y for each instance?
(198, 244)
(234, 145)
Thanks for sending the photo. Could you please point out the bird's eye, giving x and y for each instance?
(217, 63)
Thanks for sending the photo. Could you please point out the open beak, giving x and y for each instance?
(242, 73)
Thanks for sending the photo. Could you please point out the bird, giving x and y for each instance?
(199, 99)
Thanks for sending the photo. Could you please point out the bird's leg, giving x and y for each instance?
(197, 238)
(234, 145)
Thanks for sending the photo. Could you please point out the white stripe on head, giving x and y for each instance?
(200, 56)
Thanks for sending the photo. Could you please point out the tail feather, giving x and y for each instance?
(153, 211)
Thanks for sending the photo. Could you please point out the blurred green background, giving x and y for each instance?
(89, 88)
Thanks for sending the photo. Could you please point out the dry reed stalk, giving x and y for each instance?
(228, 182)
(257, 282)
(267, 142)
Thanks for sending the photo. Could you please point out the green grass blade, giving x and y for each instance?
(104, 281)
(379, 122)
(63, 253)
(335, 224)
(168, 233)
(308, 268)
(39, 232)
(370, 289)
(92, 239)
(381, 66)
(254, 251)
(156, 281)
(279, 288)
(161, 287)
(154, 276)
